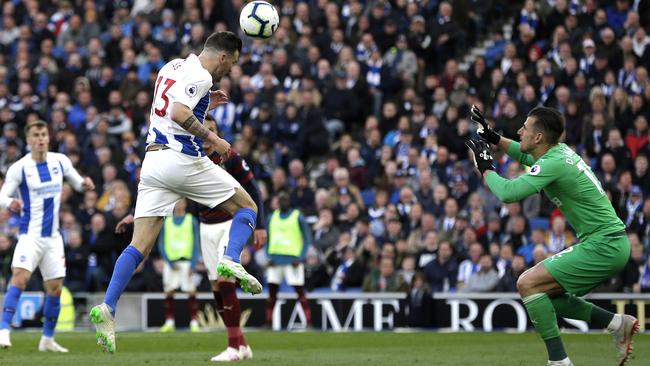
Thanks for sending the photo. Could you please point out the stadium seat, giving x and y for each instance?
(539, 223)
(368, 197)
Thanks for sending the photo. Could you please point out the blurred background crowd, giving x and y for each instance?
(357, 109)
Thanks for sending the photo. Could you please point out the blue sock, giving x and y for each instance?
(127, 262)
(51, 311)
(9, 307)
(243, 224)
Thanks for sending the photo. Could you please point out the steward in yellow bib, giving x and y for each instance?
(178, 243)
(289, 239)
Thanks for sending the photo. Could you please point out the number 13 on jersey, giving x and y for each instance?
(161, 112)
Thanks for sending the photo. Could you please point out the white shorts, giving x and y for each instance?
(168, 175)
(178, 278)
(45, 253)
(295, 276)
(214, 240)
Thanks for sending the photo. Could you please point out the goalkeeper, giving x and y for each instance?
(553, 286)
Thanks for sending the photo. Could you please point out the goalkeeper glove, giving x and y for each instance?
(481, 153)
(484, 131)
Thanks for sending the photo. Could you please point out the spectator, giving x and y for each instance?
(76, 260)
(442, 272)
(343, 186)
(504, 259)
(419, 303)
(470, 265)
(643, 284)
(384, 279)
(508, 283)
(485, 279)
(630, 275)
(6, 254)
(559, 237)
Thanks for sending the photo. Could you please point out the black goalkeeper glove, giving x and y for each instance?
(481, 152)
(484, 131)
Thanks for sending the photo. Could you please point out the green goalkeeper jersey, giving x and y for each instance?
(570, 185)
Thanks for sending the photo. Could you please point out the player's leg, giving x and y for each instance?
(51, 310)
(295, 276)
(170, 310)
(155, 200)
(212, 186)
(244, 212)
(145, 232)
(212, 235)
(187, 285)
(19, 279)
(274, 275)
(581, 268)
(170, 284)
(535, 286)
(214, 240)
(52, 266)
(27, 255)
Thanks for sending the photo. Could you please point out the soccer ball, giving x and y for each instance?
(259, 19)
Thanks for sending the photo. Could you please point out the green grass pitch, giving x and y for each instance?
(316, 348)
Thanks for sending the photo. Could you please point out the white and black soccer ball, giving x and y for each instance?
(259, 19)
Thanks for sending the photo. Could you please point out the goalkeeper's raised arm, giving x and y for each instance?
(504, 144)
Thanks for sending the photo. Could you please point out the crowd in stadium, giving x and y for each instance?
(357, 109)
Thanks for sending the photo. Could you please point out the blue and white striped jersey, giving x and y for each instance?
(39, 187)
(182, 81)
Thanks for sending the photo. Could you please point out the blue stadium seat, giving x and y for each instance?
(539, 223)
(368, 197)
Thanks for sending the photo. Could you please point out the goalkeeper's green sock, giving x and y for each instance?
(573, 307)
(542, 315)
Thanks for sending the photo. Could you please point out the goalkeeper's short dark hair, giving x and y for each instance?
(548, 121)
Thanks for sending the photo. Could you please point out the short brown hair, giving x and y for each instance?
(227, 42)
(38, 123)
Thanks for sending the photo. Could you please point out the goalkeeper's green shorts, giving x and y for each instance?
(582, 267)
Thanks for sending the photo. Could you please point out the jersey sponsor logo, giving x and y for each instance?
(191, 90)
(535, 169)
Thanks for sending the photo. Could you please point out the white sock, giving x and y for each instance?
(46, 338)
(169, 322)
(563, 362)
(615, 324)
(194, 322)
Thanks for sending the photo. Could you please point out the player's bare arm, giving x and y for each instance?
(193, 126)
(183, 115)
(88, 184)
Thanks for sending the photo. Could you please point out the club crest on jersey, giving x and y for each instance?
(191, 90)
(535, 169)
(55, 170)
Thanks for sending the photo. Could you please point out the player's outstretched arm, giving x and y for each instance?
(504, 144)
(71, 174)
(508, 190)
(12, 181)
(505, 189)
